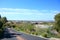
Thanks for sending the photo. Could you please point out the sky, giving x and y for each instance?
(29, 9)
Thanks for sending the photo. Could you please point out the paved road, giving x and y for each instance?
(8, 35)
(11, 35)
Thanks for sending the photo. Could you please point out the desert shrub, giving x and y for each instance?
(44, 35)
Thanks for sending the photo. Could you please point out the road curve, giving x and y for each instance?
(14, 35)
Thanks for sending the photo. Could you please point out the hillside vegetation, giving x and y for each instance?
(3, 20)
(53, 31)
(28, 27)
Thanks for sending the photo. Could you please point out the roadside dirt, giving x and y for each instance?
(20, 38)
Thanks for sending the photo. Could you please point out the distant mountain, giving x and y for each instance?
(30, 21)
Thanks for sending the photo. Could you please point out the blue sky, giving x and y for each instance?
(29, 9)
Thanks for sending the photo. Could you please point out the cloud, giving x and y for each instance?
(28, 13)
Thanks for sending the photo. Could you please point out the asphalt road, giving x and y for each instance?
(10, 34)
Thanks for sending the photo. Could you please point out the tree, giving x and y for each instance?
(0, 16)
(1, 24)
(4, 20)
(57, 22)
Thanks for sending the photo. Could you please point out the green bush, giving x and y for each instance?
(45, 35)
(1, 33)
(57, 22)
